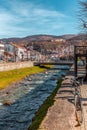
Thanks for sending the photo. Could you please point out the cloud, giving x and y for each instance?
(22, 18)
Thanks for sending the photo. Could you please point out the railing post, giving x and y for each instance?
(86, 65)
(75, 62)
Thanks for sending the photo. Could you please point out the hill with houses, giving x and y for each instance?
(37, 38)
(38, 47)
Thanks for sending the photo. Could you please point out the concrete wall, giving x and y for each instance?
(16, 65)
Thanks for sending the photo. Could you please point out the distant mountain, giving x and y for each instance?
(10, 39)
(68, 36)
(79, 37)
(37, 38)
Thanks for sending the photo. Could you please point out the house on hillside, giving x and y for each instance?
(9, 52)
(21, 52)
(14, 52)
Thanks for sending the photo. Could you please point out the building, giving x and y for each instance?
(14, 52)
(1, 50)
(20, 52)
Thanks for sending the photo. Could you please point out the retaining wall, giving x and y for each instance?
(16, 65)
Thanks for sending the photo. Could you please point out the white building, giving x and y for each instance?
(14, 52)
(20, 52)
(1, 51)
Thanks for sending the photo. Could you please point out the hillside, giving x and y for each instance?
(36, 38)
(79, 37)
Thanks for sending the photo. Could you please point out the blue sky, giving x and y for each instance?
(19, 18)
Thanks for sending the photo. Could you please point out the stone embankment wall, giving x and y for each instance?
(16, 65)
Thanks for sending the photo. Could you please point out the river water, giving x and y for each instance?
(26, 98)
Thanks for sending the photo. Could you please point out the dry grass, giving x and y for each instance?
(9, 77)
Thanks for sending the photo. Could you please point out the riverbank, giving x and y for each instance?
(6, 66)
(20, 102)
(41, 113)
(61, 115)
(9, 77)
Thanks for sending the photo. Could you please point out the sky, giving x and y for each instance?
(20, 18)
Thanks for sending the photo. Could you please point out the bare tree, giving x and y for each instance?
(83, 15)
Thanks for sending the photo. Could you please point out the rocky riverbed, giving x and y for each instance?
(19, 103)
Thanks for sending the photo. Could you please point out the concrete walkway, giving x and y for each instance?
(84, 106)
(61, 116)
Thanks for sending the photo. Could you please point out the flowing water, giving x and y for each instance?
(26, 98)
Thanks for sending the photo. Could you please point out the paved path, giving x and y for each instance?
(84, 106)
(61, 116)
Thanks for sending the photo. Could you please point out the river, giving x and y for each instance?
(26, 98)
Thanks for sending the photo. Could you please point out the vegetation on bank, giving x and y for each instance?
(12, 76)
(44, 108)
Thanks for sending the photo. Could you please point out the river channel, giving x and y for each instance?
(26, 98)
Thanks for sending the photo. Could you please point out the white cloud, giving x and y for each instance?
(48, 13)
(23, 18)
